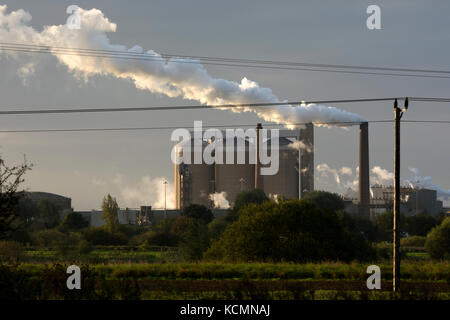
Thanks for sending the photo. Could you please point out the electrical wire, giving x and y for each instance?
(217, 126)
(185, 107)
(230, 62)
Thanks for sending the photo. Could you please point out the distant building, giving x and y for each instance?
(412, 201)
(145, 215)
(63, 203)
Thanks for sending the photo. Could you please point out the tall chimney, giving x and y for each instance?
(364, 192)
(307, 160)
(258, 177)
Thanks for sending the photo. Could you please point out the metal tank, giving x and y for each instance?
(286, 182)
(193, 182)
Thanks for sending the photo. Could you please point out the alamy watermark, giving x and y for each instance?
(374, 281)
(209, 147)
(74, 20)
(373, 22)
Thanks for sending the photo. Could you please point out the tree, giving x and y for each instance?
(110, 213)
(292, 230)
(245, 198)
(74, 221)
(420, 224)
(438, 241)
(384, 222)
(10, 180)
(326, 200)
(195, 240)
(198, 211)
(49, 214)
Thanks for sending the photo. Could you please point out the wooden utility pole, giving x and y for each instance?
(396, 228)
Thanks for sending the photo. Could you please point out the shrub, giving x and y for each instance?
(197, 211)
(293, 230)
(420, 224)
(100, 236)
(413, 241)
(217, 227)
(11, 251)
(84, 247)
(155, 238)
(438, 241)
(47, 238)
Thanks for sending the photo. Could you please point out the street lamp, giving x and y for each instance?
(165, 198)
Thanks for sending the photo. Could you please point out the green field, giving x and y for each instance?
(130, 273)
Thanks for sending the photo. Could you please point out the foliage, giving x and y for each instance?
(102, 236)
(84, 247)
(438, 241)
(413, 241)
(243, 199)
(74, 221)
(325, 200)
(47, 238)
(293, 230)
(10, 180)
(384, 222)
(217, 227)
(420, 224)
(194, 240)
(11, 251)
(197, 211)
(110, 213)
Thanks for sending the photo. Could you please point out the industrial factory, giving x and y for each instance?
(195, 183)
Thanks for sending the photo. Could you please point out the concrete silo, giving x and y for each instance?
(286, 182)
(234, 178)
(193, 182)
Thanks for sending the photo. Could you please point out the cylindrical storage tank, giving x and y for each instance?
(193, 182)
(234, 178)
(286, 182)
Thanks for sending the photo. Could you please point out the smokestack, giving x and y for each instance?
(258, 178)
(364, 192)
(307, 160)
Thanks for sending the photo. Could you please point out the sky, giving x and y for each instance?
(85, 166)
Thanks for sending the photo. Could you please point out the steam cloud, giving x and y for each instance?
(187, 80)
(220, 200)
(345, 181)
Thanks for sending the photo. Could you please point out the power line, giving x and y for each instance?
(236, 60)
(348, 123)
(267, 64)
(169, 108)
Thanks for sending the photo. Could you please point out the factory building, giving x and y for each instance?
(412, 201)
(194, 183)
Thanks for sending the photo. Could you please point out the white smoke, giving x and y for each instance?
(344, 181)
(148, 191)
(189, 80)
(381, 176)
(298, 144)
(426, 182)
(220, 200)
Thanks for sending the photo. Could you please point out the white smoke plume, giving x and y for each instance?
(298, 144)
(148, 192)
(417, 181)
(190, 80)
(220, 200)
(381, 176)
(345, 182)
